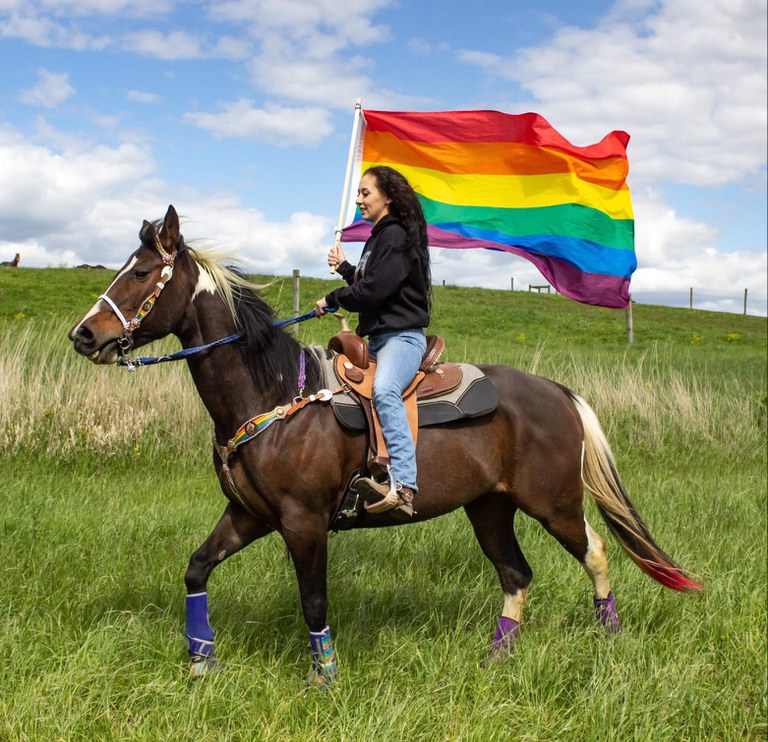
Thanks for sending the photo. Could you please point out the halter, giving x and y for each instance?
(125, 343)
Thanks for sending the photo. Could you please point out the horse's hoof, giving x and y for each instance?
(497, 657)
(320, 680)
(607, 617)
(204, 667)
(504, 640)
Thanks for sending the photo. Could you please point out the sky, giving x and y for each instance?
(239, 113)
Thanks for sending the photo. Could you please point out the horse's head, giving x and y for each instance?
(122, 318)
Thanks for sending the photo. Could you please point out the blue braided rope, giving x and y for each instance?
(295, 320)
(180, 354)
(186, 352)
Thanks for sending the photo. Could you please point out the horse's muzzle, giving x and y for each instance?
(86, 343)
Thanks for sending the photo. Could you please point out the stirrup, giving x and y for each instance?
(373, 492)
(400, 500)
(390, 501)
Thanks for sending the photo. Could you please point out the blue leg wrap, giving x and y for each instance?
(323, 657)
(198, 631)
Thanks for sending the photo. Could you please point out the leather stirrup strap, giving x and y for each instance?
(360, 383)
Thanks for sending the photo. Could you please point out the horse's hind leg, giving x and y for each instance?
(595, 563)
(571, 529)
(234, 531)
(492, 517)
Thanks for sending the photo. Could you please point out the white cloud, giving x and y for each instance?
(85, 205)
(304, 49)
(44, 192)
(33, 30)
(299, 51)
(303, 19)
(489, 61)
(82, 8)
(266, 247)
(687, 80)
(173, 45)
(327, 81)
(675, 253)
(34, 23)
(277, 124)
(141, 96)
(51, 89)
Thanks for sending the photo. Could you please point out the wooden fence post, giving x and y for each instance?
(296, 285)
(630, 324)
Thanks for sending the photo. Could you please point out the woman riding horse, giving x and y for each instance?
(535, 453)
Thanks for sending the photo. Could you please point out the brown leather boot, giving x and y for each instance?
(404, 509)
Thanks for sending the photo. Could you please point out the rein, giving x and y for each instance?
(181, 354)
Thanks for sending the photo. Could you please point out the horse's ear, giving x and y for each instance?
(147, 232)
(169, 234)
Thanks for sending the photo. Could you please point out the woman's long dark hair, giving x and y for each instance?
(406, 207)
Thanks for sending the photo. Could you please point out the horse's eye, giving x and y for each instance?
(140, 275)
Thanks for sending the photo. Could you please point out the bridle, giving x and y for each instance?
(125, 343)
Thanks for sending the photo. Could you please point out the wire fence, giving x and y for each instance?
(745, 302)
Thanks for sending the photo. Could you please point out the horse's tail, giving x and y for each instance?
(602, 480)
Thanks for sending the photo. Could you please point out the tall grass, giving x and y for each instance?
(107, 488)
(55, 402)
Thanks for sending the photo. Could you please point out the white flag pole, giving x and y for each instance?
(348, 176)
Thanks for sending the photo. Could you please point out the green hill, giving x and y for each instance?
(483, 315)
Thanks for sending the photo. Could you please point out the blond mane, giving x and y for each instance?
(223, 269)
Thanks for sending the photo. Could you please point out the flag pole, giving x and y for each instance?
(348, 176)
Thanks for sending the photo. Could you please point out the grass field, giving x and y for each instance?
(107, 488)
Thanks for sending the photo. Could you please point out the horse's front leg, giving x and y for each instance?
(234, 531)
(306, 536)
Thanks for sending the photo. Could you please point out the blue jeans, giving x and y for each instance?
(398, 357)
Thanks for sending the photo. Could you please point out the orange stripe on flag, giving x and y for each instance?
(493, 158)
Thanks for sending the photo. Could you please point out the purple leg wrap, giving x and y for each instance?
(507, 633)
(323, 657)
(198, 631)
(605, 612)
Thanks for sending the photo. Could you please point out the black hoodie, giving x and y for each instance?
(387, 287)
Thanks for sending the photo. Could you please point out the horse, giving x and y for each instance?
(536, 452)
(12, 263)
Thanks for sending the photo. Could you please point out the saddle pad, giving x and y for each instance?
(476, 395)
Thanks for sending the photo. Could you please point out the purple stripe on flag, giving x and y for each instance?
(567, 279)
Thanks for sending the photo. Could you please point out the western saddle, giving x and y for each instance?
(354, 368)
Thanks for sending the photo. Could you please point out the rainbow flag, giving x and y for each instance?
(510, 182)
